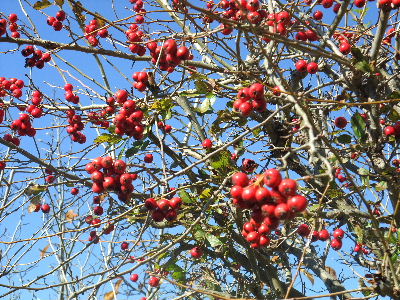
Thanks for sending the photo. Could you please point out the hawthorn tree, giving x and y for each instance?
(191, 149)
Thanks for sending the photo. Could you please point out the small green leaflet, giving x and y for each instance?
(381, 186)
(221, 160)
(343, 139)
(363, 66)
(108, 138)
(136, 147)
(358, 125)
(206, 105)
(213, 240)
(185, 197)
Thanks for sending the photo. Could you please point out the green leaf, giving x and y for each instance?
(364, 66)
(221, 160)
(213, 240)
(363, 171)
(202, 87)
(35, 189)
(381, 186)
(359, 126)
(343, 139)
(257, 131)
(163, 104)
(185, 197)
(206, 105)
(179, 276)
(59, 2)
(108, 138)
(205, 194)
(199, 234)
(357, 54)
(42, 4)
(136, 147)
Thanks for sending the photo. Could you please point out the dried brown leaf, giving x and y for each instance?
(44, 251)
(331, 271)
(71, 215)
(111, 295)
(308, 275)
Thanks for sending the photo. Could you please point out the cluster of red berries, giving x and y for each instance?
(250, 98)
(241, 11)
(138, 7)
(129, 119)
(165, 127)
(45, 208)
(91, 32)
(388, 4)
(69, 94)
(296, 124)
(269, 206)
(390, 34)
(135, 36)
(12, 139)
(323, 235)
(168, 56)
(393, 129)
(75, 127)
(141, 80)
(56, 22)
(13, 26)
(340, 176)
(163, 208)
(38, 58)
(34, 109)
(303, 66)
(13, 85)
(113, 176)
(96, 118)
(361, 247)
(23, 126)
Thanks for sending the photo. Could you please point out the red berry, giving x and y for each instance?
(148, 158)
(154, 281)
(336, 244)
(338, 233)
(301, 65)
(134, 277)
(297, 203)
(240, 179)
(340, 122)
(312, 67)
(323, 235)
(196, 252)
(272, 178)
(304, 230)
(45, 208)
(207, 144)
(288, 187)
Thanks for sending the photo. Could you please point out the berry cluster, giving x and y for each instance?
(135, 36)
(129, 119)
(91, 32)
(141, 80)
(45, 208)
(168, 56)
(138, 7)
(75, 127)
(38, 58)
(269, 207)
(323, 235)
(113, 176)
(56, 22)
(250, 98)
(163, 208)
(361, 247)
(69, 94)
(23, 126)
(13, 26)
(12, 85)
(95, 118)
(11, 139)
(165, 127)
(303, 66)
